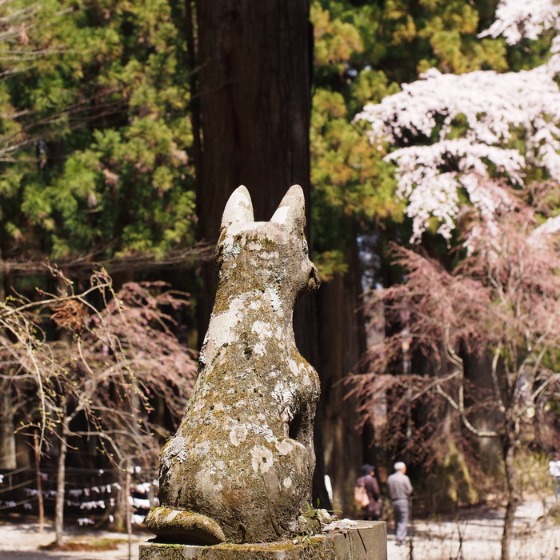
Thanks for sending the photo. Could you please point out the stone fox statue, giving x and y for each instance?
(239, 468)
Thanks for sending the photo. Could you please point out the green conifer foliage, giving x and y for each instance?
(95, 135)
(93, 146)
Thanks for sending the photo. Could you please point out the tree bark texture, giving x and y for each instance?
(7, 428)
(478, 372)
(253, 64)
(8, 455)
(512, 497)
(40, 502)
(341, 343)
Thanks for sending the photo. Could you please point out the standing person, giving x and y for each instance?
(373, 510)
(400, 489)
(554, 471)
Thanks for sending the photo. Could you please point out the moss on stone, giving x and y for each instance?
(183, 526)
(285, 550)
(243, 455)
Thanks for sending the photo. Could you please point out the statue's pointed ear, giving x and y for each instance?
(239, 208)
(291, 211)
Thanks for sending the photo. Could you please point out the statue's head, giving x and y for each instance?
(265, 253)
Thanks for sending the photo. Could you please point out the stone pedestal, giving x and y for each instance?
(366, 541)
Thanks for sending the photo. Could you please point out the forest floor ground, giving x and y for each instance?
(472, 535)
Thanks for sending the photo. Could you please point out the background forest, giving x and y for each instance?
(424, 135)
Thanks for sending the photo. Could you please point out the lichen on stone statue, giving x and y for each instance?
(240, 466)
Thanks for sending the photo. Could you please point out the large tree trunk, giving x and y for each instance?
(253, 85)
(254, 98)
(342, 343)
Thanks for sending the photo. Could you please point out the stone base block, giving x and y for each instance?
(366, 541)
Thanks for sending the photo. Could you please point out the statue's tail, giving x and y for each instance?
(183, 527)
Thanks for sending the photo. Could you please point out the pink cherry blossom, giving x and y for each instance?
(496, 111)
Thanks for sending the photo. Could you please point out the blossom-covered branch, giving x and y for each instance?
(529, 19)
(475, 134)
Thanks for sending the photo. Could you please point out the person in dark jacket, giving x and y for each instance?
(373, 510)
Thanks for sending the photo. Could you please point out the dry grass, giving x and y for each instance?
(85, 545)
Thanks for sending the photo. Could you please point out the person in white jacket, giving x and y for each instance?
(554, 471)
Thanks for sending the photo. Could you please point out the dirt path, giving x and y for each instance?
(22, 541)
(475, 537)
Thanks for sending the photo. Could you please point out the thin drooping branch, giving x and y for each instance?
(502, 301)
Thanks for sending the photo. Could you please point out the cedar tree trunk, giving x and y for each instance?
(251, 118)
